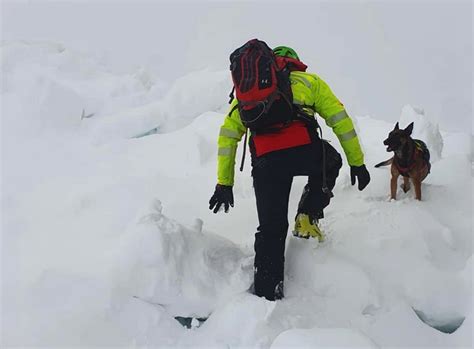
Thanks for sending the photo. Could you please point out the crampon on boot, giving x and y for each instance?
(305, 227)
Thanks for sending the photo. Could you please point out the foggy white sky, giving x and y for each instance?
(377, 56)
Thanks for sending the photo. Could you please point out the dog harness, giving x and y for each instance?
(404, 170)
(419, 147)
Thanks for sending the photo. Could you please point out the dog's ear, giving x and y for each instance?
(409, 129)
(396, 126)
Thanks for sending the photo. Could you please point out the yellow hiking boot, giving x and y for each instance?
(304, 228)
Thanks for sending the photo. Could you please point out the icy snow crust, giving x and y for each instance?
(102, 244)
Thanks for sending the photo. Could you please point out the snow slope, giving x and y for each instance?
(106, 234)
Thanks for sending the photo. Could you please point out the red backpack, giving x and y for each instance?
(262, 85)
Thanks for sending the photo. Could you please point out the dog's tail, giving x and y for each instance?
(384, 163)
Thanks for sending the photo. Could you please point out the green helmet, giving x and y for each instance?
(285, 51)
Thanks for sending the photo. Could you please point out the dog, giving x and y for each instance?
(411, 160)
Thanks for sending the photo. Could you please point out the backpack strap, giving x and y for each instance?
(245, 149)
(231, 96)
(233, 109)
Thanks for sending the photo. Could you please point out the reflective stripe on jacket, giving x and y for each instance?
(315, 96)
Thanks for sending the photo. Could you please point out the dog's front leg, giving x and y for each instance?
(417, 185)
(393, 186)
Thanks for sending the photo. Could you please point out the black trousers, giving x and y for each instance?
(272, 178)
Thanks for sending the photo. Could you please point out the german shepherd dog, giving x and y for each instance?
(411, 160)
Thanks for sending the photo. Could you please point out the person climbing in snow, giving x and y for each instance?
(284, 143)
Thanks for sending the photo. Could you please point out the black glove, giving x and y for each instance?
(363, 176)
(222, 196)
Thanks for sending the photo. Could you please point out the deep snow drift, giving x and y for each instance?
(106, 233)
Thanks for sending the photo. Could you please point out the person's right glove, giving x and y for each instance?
(362, 175)
(222, 196)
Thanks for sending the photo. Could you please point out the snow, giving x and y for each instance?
(106, 236)
(322, 338)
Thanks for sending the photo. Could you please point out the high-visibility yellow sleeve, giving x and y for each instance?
(328, 106)
(230, 134)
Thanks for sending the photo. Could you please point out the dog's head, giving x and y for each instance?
(397, 138)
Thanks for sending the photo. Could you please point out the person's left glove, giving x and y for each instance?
(222, 196)
(362, 175)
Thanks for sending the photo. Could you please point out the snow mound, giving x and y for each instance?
(59, 83)
(424, 129)
(195, 94)
(185, 269)
(68, 91)
(189, 97)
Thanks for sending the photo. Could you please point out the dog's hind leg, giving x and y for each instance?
(406, 184)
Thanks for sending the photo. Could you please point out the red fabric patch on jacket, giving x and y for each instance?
(294, 135)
